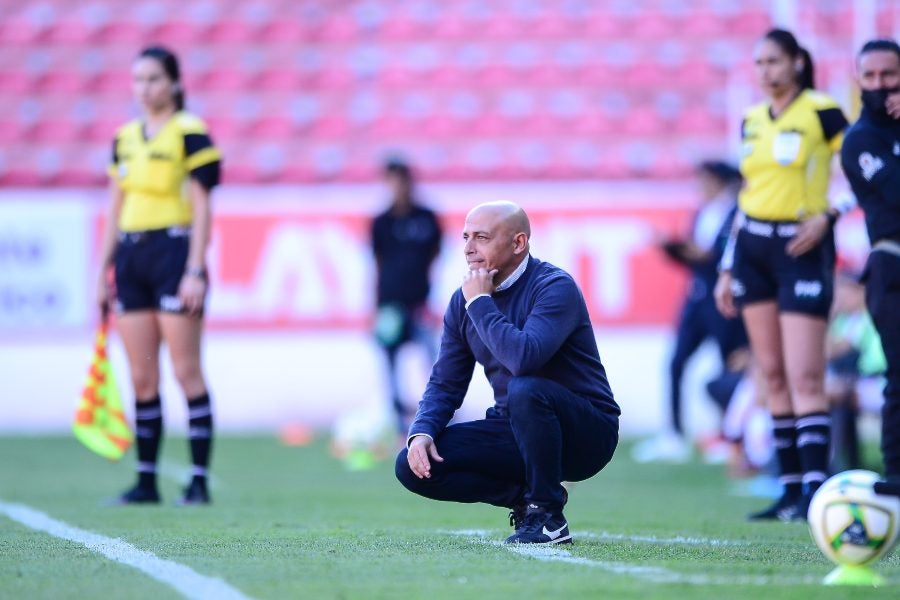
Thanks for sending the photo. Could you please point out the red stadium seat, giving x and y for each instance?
(752, 21)
(338, 27)
(307, 91)
(30, 25)
(233, 30)
(18, 168)
(700, 120)
(643, 121)
(80, 26)
(703, 23)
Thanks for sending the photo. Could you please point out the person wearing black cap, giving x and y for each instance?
(406, 238)
(699, 319)
(871, 161)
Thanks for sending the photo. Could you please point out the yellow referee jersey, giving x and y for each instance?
(153, 172)
(786, 161)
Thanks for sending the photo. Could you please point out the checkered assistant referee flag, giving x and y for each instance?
(99, 421)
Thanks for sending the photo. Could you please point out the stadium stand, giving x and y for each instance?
(301, 91)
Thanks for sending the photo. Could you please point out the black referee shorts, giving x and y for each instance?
(763, 270)
(149, 267)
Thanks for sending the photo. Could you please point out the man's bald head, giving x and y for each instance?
(507, 215)
(496, 236)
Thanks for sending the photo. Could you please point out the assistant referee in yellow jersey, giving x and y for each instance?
(164, 166)
(780, 270)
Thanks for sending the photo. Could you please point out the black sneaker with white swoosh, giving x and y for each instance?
(541, 527)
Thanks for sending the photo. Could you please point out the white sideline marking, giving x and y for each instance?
(185, 580)
(621, 537)
(652, 539)
(549, 553)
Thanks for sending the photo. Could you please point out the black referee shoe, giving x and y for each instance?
(789, 507)
(195, 493)
(541, 527)
(137, 495)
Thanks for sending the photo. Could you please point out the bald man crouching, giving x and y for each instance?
(554, 418)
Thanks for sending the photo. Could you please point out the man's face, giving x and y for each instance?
(879, 69)
(399, 187)
(489, 243)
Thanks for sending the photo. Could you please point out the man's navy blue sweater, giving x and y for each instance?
(538, 326)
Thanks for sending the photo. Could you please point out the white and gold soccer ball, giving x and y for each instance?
(851, 524)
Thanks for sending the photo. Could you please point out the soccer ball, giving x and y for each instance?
(851, 524)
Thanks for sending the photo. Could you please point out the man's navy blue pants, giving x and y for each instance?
(548, 436)
(883, 302)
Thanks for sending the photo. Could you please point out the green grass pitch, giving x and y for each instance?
(291, 522)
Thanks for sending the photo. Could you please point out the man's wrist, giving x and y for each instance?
(198, 272)
(474, 298)
(414, 436)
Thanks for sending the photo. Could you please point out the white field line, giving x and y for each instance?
(605, 536)
(184, 580)
(647, 573)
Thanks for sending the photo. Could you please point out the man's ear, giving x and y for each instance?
(521, 242)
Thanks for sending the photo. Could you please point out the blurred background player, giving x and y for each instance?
(164, 166)
(406, 238)
(699, 320)
(780, 273)
(871, 161)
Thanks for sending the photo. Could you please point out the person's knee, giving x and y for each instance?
(521, 392)
(773, 374)
(190, 378)
(145, 383)
(808, 382)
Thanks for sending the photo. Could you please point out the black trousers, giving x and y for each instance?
(550, 435)
(699, 320)
(883, 302)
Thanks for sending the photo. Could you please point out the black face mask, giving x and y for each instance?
(874, 100)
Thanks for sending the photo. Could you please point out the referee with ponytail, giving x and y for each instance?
(164, 166)
(779, 270)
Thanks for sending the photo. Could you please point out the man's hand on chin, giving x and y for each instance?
(477, 282)
(893, 105)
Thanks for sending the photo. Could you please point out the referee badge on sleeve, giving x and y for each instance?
(123, 170)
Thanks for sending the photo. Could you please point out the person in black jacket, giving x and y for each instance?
(406, 238)
(699, 319)
(871, 161)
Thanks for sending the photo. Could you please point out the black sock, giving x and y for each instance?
(200, 429)
(844, 439)
(148, 433)
(785, 433)
(813, 435)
